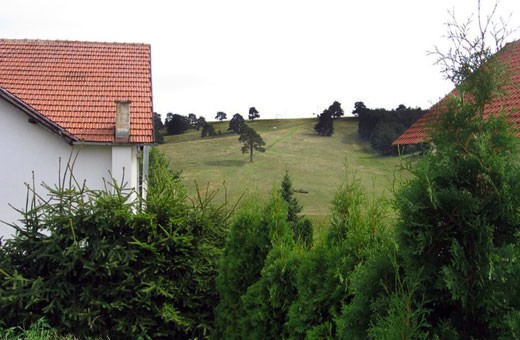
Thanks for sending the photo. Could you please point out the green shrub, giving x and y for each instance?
(323, 280)
(254, 233)
(459, 215)
(93, 265)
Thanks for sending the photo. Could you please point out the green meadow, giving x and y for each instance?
(317, 165)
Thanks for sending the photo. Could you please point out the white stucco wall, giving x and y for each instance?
(30, 148)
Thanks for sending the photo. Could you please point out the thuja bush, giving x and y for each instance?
(253, 234)
(323, 279)
(266, 302)
(93, 264)
(459, 216)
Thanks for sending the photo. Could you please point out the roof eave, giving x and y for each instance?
(38, 117)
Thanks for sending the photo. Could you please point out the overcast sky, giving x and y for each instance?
(287, 58)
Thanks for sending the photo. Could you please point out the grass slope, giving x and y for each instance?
(316, 164)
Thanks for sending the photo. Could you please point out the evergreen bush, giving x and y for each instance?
(323, 280)
(92, 264)
(254, 232)
(459, 215)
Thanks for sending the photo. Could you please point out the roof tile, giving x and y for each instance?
(76, 84)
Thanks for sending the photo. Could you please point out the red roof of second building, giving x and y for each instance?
(509, 56)
(75, 84)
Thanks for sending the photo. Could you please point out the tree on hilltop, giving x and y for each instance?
(359, 108)
(176, 124)
(253, 113)
(325, 125)
(236, 123)
(335, 110)
(221, 116)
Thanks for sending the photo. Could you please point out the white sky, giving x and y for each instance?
(288, 58)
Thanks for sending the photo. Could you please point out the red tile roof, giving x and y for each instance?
(509, 56)
(75, 84)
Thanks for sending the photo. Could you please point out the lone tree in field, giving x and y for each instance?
(325, 124)
(236, 123)
(253, 113)
(221, 116)
(458, 222)
(251, 140)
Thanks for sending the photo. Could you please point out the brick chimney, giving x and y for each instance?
(122, 120)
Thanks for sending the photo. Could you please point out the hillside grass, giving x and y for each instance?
(316, 164)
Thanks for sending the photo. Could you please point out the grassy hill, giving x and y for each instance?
(316, 164)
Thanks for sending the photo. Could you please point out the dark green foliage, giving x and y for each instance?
(266, 302)
(359, 107)
(382, 127)
(251, 140)
(200, 123)
(254, 232)
(370, 284)
(384, 134)
(208, 131)
(104, 269)
(325, 124)
(221, 116)
(464, 206)
(176, 124)
(303, 231)
(287, 193)
(157, 127)
(323, 279)
(40, 330)
(301, 226)
(192, 119)
(236, 123)
(459, 215)
(253, 113)
(335, 110)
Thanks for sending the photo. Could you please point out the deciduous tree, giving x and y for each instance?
(176, 124)
(253, 113)
(157, 127)
(236, 123)
(208, 131)
(335, 110)
(325, 124)
(221, 116)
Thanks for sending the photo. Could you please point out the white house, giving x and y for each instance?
(63, 99)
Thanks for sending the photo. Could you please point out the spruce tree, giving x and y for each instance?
(301, 225)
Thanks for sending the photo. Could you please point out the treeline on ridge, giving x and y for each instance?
(382, 127)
